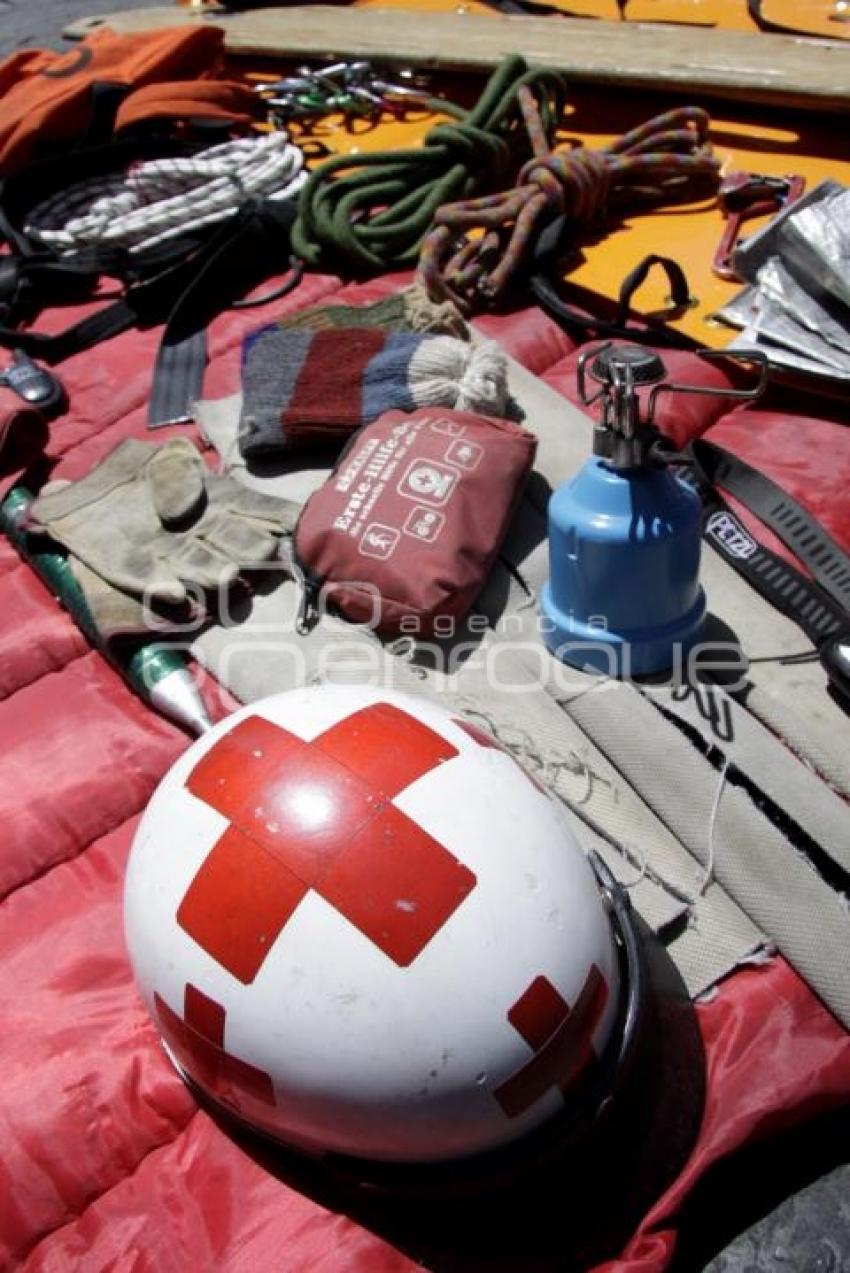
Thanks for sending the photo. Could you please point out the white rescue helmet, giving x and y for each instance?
(363, 929)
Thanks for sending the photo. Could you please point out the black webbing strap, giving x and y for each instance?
(178, 379)
(756, 13)
(145, 303)
(156, 281)
(32, 281)
(783, 585)
(549, 247)
(795, 525)
(181, 359)
(107, 322)
(248, 249)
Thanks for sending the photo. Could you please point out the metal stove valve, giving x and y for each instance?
(620, 437)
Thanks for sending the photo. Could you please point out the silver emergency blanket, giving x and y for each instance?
(720, 809)
(797, 307)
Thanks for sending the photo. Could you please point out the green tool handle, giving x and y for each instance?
(159, 674)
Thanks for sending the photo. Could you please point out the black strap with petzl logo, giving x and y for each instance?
(814, 605)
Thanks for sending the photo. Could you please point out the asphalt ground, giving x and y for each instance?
(37, 24)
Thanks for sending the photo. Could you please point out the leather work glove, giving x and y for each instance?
(152, 523)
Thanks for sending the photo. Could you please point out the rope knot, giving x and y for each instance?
(585, 177)
(543, 174)
(477, 246)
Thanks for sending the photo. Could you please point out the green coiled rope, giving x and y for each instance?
(369, 213)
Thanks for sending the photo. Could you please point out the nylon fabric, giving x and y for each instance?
(43, 833)
(217, 100)
(62, 938)
(117, 1166)
(199, 1202)
(40, 641)
(767, 1017)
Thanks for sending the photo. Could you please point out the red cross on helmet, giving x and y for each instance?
(363, 929)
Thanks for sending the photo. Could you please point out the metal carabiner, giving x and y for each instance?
(744, 196)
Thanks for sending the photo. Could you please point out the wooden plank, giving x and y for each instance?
(808, 74)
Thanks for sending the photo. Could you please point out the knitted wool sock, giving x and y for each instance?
(302, 385)
(410, 309)
(267, 384)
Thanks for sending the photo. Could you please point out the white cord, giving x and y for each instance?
(712, 826)
(448, 372)
(163, 198)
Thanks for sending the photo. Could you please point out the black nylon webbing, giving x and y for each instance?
(245, 250)
(795, 525)
(553, 243)
(178, 379)
(780, 583)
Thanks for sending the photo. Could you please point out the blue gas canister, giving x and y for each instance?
(623, 595)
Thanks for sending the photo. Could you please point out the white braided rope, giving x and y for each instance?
(163, 198)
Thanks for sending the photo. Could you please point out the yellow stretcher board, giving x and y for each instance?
(753, 137)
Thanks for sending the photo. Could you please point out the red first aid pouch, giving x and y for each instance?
(405, 529)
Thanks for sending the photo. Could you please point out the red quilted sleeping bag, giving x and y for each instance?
(106, 1161)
